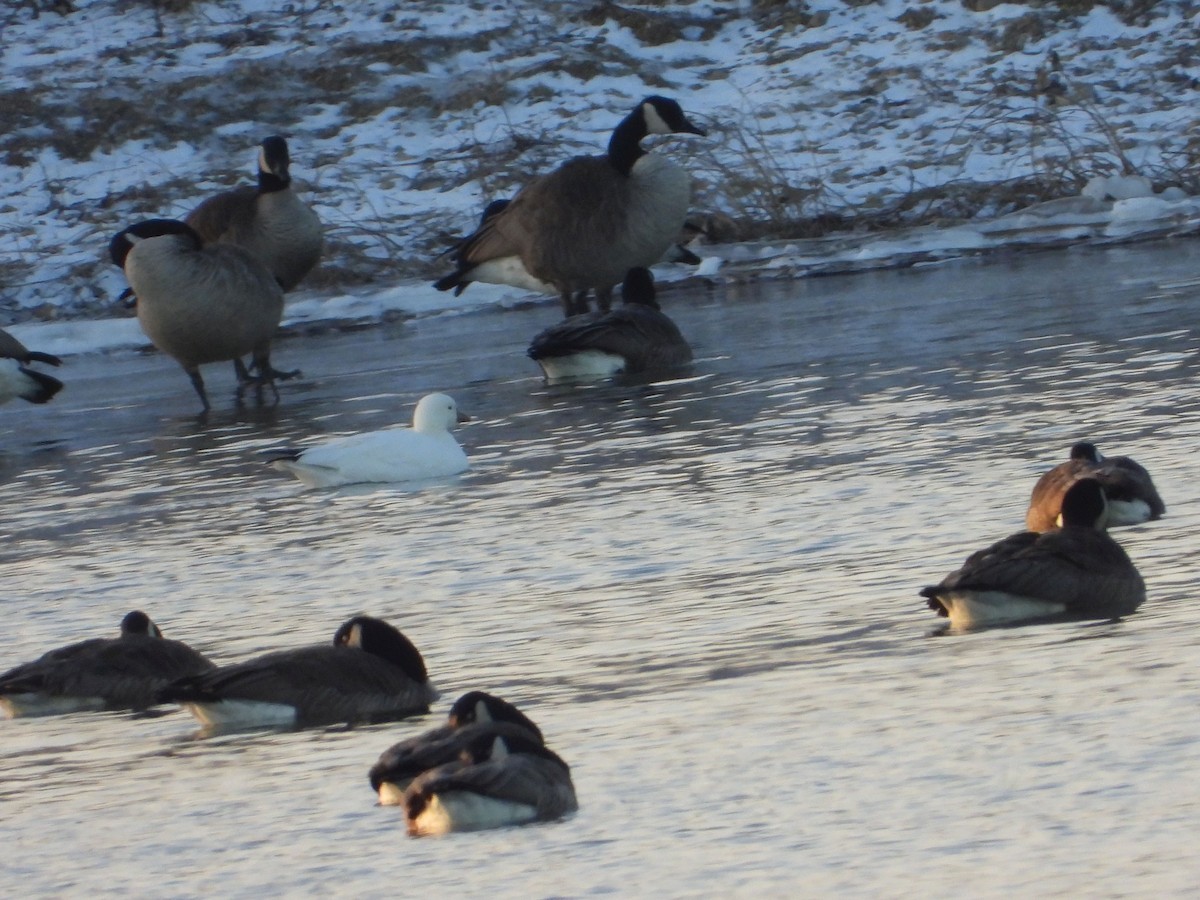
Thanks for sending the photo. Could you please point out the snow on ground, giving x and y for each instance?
(404, 120)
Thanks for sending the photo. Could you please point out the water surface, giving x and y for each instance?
(702, 588)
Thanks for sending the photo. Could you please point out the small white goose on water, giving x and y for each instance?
(370, 672)
(124, 672)
(503, 777)
(401, 763)
(637, 337)
(17, 379)
(1132, 496)
(1076, 572)
(584, 225)
(426, 450)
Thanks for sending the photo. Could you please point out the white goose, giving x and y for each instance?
(426, 450)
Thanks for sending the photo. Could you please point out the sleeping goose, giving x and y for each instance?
(636, 337)
(17, 380)
(502, 777)
(371, 672)
(588, 222)
(426, 450)
(125, 672)
(1132, 497)
(269, 220)
(401, 763)
(1076, 572)
(201, 304)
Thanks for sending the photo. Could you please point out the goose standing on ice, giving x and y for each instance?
(201, 304)
(125, 672)
(426, 450)
(1075, 572)
(17, 379)
(371, 672)
(588, 222)
(269, 221)
(401, 763)
(1132, 497)
(636, 337)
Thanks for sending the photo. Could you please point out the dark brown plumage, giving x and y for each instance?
(1132, 496)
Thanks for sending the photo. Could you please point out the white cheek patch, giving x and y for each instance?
(655, 124)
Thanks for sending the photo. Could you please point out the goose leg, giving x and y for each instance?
(239, 368)
(567, 303)
(581, 302)
(198, 383)
(604, 298)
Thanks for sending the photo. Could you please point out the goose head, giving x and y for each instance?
(378, 638)
(273, 163)
(123, 242)
(436, 413)
(1085, 450)
(137, 622)
(638, 288)
(1084, 505)
(663, 115)
(479, 706)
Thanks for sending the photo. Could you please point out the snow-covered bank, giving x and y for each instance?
(405, 120)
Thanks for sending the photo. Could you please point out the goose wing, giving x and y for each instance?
(223, 212)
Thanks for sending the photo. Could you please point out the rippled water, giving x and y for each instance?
(703, 590)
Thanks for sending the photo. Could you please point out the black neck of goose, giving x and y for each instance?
(269, 182)
(625, 145)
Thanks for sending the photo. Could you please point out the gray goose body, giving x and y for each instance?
(371, 672)
(125, 672)
(402, 762)
(200, 304)
(501, 778)
(587, 223)
(1076, 571)
(1132, 496)
(17, 379)
(636, 337)
(268, 221)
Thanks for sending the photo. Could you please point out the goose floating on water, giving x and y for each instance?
(503, 776)
(584, 225)
(1132, 497)
(426, 450)
(17, 379)
(125, 672)
(636, 337)
(1075, 572)
(401, 763)
(370, 672)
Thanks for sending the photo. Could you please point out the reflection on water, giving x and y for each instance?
(702, 588)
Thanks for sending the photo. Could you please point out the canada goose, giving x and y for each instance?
(1132, 497)
(401, 763)
(269, 220)
(633, 338)
(504, 776)
(125, 672)
(201, 304)
(18, 381)
(1077, 571)
(371, 672)
(426, 450)
(588, 222)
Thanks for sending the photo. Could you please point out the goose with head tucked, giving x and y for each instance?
(584, 225)
(124, 672)
(269, 221)
(636, 337)
(1132, 496)
(1075, 572)
(502, 777)
(201, 304)
(17, 379)
(401, 763)
(370, 672)
(426, 450)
